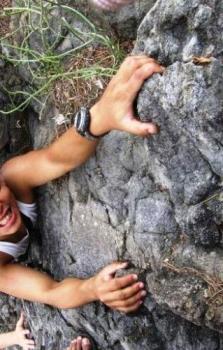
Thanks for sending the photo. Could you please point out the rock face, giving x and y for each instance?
(187, 103)
(123, 22)
(155, 202)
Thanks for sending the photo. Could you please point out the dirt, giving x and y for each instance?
(4, 21)
(70, 94)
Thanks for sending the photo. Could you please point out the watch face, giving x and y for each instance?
(82, 121)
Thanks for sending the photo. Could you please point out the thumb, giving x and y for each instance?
(136, 127)
(20, 320)
(110, 270)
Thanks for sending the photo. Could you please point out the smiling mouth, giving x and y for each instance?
(8, 218)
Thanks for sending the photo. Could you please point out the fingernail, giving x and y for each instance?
(140, 302)
(135, 277)
(143, 293)
(141, 285)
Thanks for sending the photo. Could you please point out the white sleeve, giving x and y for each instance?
(29, 210)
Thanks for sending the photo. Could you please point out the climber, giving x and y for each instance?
(21, 174)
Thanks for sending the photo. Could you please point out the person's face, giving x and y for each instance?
(10, 218)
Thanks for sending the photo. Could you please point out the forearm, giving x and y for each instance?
(71, 293)
(40, 166)
(71, 149)
(68, 152)
(7, 339)
(28, 284)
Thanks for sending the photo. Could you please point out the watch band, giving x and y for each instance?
(82, 121)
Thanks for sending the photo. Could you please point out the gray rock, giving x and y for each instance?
(126, 21)
(155, 202)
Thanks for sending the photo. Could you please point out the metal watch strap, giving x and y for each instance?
(82, 121)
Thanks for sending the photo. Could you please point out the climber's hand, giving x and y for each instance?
(20, 335)
(120, 293)
(114, 111)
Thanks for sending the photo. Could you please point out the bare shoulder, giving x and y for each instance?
(14, 174)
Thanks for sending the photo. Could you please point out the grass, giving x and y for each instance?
(32, 46)
(215, 284)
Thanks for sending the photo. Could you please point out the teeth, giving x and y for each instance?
(6, 218)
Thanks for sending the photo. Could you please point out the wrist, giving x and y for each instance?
(99, 125)
(90, 289)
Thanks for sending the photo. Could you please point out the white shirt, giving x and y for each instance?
(20, 248)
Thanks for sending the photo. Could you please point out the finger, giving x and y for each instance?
(136, 127)
(73, 345)
(29, 347)
(131, 64)
(30, 342)
(140, 75)
(21, 320)
(131, 308)
(126, 293)
(79, 344)
(86, 345)
(135, 299)
(110, 270)
(121, 282)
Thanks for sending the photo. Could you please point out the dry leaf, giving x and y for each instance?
(201, 60)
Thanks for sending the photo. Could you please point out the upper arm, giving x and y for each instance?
(25, 283)
(23, 173)
(14, 172)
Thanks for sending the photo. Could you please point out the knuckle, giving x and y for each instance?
(125, 303)
(122, 295)
(131, 62)
(139, 74)
(142, 133)
(137, 297)
(153, 66)
(152, 60)
(118, 284)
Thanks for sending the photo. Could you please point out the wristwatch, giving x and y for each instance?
(82, 121)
